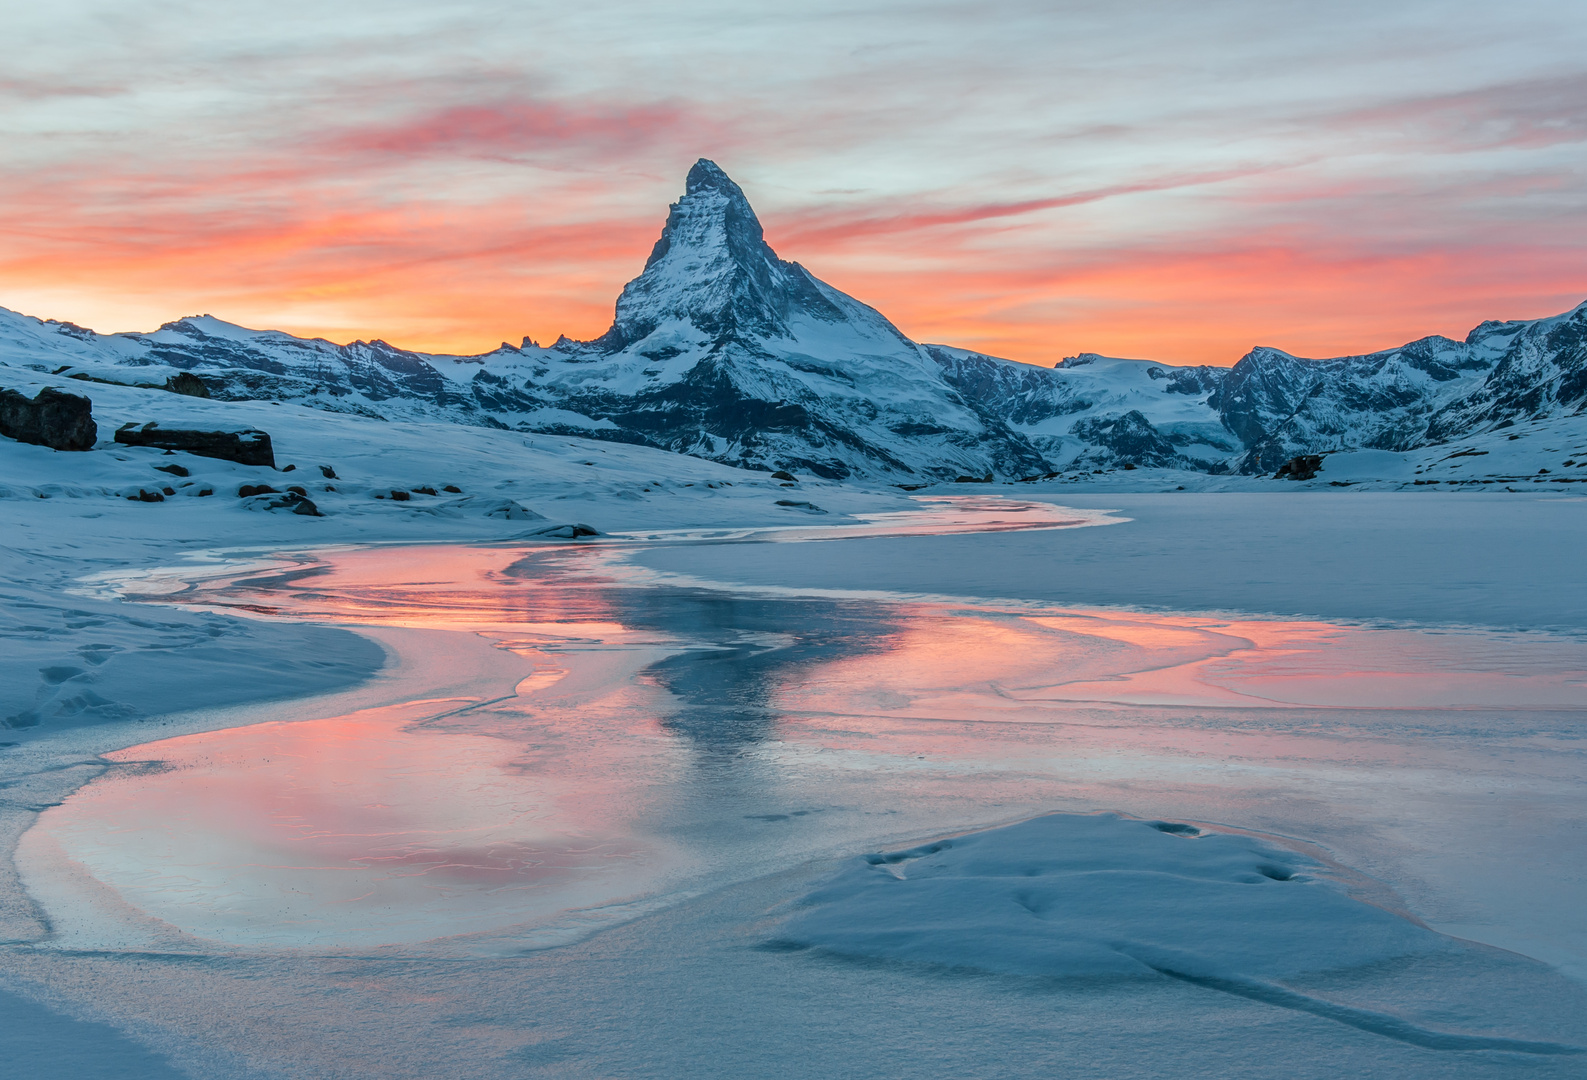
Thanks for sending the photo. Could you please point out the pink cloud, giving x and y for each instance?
(511, 128)
(819, 226)
(1524, 114)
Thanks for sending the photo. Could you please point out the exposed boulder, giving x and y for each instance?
(245, 446)
(187, 384)
(298, 503)
(293, 499)
(54, 418)
(1303, 467)
(573, 531)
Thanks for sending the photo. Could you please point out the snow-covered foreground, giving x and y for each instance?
(598, 815)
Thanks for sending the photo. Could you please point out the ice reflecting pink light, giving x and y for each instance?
(536, 817)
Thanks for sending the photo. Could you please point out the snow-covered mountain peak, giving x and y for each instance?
(1087, 359)
(208, 326)
(712, 267)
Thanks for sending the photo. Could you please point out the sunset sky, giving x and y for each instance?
(1171, 180)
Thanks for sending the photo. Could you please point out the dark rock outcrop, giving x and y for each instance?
(1302, 467)
(54, 418)
(573, 531)
(1130, 437)
(187, 384)
(298, 503)
(245, 447)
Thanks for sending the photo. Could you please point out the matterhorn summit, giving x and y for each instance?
(713, 269)
(723, 350)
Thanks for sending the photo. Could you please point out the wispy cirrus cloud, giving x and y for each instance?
(1523, 114)
(513, 129)
(823, 226)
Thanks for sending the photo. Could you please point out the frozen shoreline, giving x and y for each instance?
(1504, 561)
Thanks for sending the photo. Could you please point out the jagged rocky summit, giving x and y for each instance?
(722, 350)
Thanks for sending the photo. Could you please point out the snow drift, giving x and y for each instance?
(1102, 896)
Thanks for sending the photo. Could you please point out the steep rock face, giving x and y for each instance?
(1099, 410)
(720, 349)
(712, 268)
(1279, 405)
(1539, 370)
(1131, 438)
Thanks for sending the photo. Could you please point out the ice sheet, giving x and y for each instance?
(745, 744)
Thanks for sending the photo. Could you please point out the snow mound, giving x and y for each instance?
(1086, 895)
(1103, 896)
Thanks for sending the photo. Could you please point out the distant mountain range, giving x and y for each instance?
(722, 350)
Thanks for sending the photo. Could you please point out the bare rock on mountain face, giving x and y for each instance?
(245, 447)
(187, 384)
(54, 418)
(1303, 467)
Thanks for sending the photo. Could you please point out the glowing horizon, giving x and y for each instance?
(1027, 182)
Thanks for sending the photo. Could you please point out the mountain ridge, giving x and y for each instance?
(721, 349)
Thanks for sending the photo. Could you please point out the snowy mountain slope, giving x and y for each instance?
(1280, 405)
(1539, 371)
(1100, 410)
(1427, 393)
(719, 349)
(1272, 405)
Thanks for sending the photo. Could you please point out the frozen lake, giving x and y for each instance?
(578, 841)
